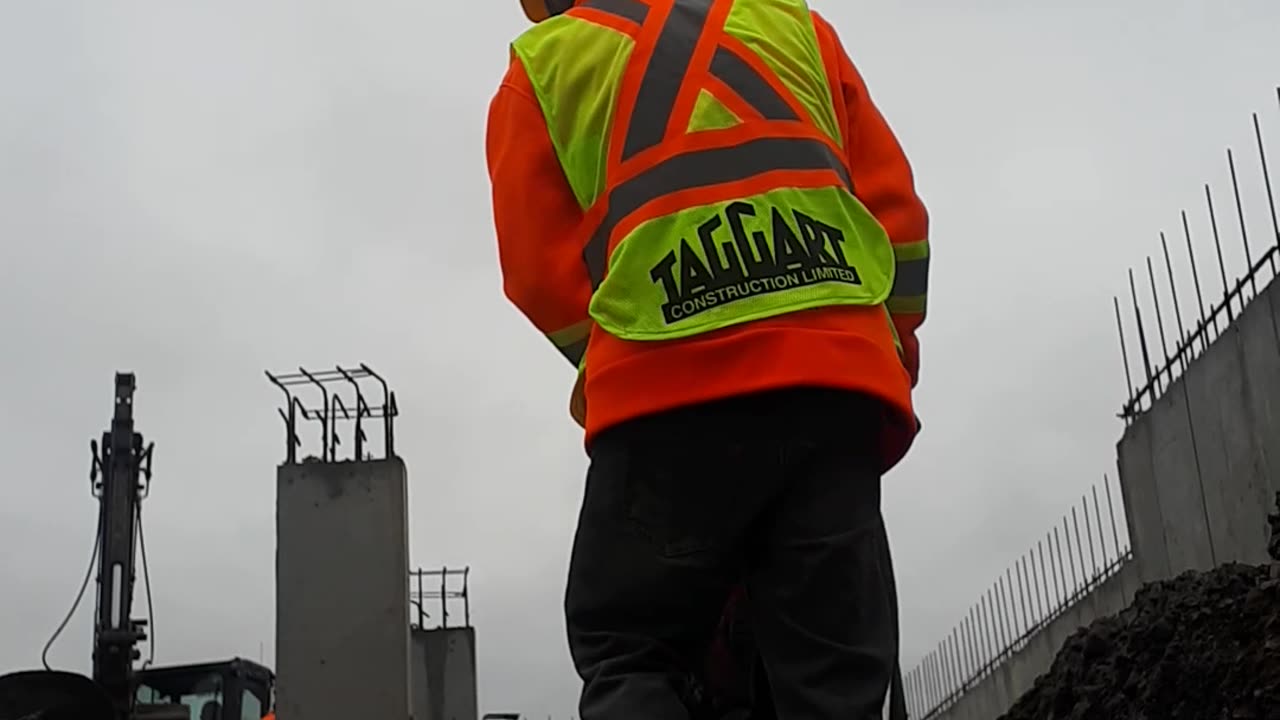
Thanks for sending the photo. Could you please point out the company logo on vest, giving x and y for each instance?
(743, 262)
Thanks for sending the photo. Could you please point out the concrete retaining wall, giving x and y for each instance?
(1201, 468)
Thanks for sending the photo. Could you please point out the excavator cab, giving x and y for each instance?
(235, 690)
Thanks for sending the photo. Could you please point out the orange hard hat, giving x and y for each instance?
(539, 10)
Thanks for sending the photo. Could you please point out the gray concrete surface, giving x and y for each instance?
(342, 591)
(996, 693)
(444, 674)
(1198, 470)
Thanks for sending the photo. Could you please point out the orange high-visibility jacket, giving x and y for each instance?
(541, 227)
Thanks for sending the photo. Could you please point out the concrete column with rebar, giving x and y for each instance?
(342, 591)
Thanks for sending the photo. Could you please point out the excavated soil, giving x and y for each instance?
(1202, 646)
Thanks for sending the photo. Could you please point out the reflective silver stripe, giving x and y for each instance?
(573, 352)
(747, 83)
(664, 75)
(911, 278)
(705, 168)
(632, 10)
(556, 7)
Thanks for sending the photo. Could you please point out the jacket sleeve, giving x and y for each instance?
(883, 181)
(537, 219)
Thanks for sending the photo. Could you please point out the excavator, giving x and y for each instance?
(119, 689)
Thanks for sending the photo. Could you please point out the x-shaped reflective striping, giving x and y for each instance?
(665, 74)
(668, 68)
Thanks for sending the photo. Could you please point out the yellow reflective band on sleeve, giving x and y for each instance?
(911, 280)
(572, 341)
(908, 305)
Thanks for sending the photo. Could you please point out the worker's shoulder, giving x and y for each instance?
(546, 28)
(825, 30)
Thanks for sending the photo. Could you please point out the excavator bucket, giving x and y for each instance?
(52, 695)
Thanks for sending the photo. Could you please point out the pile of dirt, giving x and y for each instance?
(1202, 646)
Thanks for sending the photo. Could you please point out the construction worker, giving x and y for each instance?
(699, 205)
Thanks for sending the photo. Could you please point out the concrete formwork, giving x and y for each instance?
(342, 595)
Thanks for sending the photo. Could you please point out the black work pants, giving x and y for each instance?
(779, 488)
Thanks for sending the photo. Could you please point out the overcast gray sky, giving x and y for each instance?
(198, 191)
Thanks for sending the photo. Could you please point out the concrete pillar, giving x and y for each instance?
(444, 674)
(342, 594)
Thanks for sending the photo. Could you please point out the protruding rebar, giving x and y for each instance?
(1027, 625)
(1075, 523)
(1062, 569)
(1155, 301)
(952, 671)
(1014, 623)
(1093, 557)
(1195, 278)
(971, 646)
(1033, 585)
(1222, 265)
(1002, 615)
(1047, 604)
(987, 626)
(936, 673)
(1128, 410)
(1142, 340)
(1075, 584)
(1177, 304)
(1244, 229)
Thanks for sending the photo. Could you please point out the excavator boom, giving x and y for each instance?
(122, 460)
